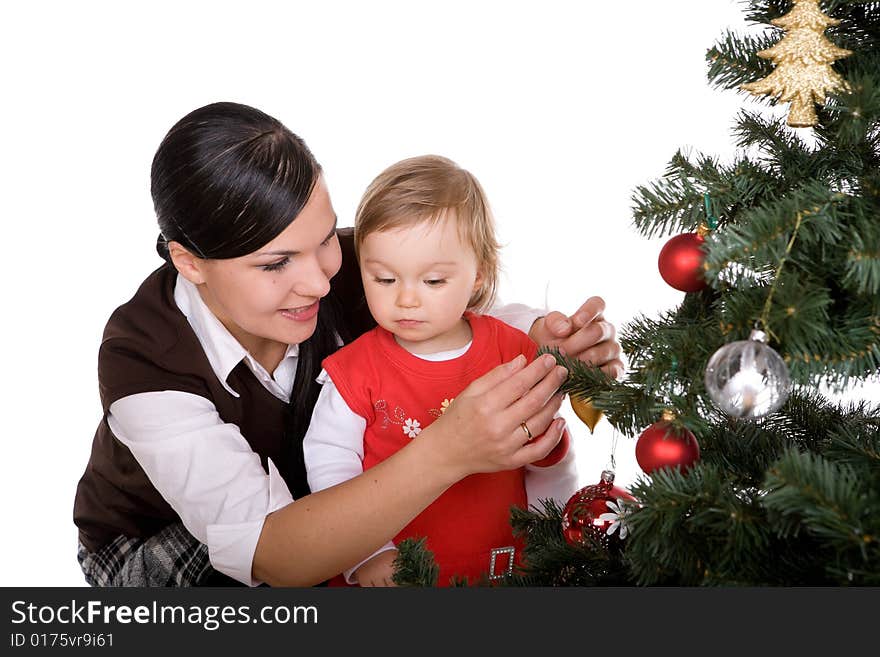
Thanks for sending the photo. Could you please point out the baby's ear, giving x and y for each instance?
(478, 282)
(187, 264)
(477, 292)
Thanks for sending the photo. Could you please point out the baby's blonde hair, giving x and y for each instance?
(426, 188)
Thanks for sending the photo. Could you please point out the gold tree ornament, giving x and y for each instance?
(803, 57)
(586, 412)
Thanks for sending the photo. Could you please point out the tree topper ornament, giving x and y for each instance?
(803, 57)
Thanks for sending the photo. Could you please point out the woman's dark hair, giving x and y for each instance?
(226, 180)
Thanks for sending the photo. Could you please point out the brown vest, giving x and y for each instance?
(149, 346)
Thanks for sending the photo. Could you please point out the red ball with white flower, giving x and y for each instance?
(596, 512)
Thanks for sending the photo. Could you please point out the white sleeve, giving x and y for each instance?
(333, 447)
(558, 481)
(517, 315)
(206, 471)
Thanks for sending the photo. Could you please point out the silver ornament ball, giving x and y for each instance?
(747, 378)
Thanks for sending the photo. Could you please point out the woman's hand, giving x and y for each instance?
(586, 335)
(488, 427)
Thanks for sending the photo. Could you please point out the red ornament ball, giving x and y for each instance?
(580, 518)
(681, 262)
(661, 446)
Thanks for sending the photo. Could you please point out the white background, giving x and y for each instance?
(559, 109)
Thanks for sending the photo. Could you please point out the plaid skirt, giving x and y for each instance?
(173, 557)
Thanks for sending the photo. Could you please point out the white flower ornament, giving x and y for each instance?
(412, 428)
(617, 517)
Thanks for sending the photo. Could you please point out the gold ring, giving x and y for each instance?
(526, 429)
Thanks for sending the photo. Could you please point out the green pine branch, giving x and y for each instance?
(414, 564)
(810, 494)
(733, 61)
(696, 529)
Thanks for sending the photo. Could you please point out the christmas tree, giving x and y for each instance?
(753, 476)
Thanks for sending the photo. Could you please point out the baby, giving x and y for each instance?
(428, 255)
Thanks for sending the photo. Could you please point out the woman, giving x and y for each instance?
(198, 459)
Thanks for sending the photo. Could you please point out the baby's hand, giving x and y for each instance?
(378, 570)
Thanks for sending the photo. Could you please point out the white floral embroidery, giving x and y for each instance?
(412, 428)
(445, 405)
(617, 517)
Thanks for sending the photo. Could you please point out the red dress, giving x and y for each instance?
(399, 394)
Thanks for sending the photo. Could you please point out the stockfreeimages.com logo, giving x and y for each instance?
(210, 617)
